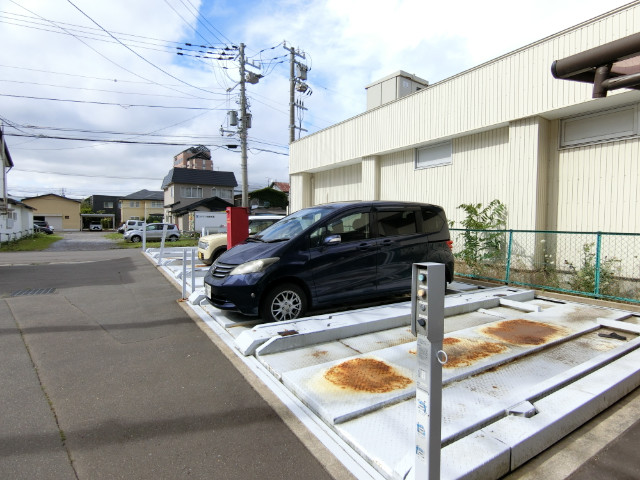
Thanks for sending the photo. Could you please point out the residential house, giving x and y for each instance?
(16, 218)
(141, 205)
(281, 187)
(185, 190)
(62, 213)
(505, 130)
(106, 204)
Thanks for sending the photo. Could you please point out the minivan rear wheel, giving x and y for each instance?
(284, 302)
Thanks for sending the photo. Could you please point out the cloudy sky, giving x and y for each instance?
(95, 99)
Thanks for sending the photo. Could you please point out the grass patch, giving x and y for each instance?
(121, 243)
(31, 243)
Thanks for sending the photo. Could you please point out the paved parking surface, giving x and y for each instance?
(107, 376)
(82, 241)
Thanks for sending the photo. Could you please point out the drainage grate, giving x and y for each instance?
(33, 291)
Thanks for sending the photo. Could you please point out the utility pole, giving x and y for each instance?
(296, 82)
(292, 86)
(245, 117)
(243, 130)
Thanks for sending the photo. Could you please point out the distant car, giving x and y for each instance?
(153, 232)
(133, 225)
(212, 246)
(42, 227)
(95, 226)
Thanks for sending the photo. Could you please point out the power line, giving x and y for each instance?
(123, 105)
(134, 52)
(75, 87)
(96, 51)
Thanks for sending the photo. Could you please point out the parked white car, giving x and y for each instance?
(153, 232)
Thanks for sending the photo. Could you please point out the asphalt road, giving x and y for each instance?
(106, 376)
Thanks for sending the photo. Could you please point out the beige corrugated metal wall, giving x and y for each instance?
(338, 184)
(501, 118)
(599, 188)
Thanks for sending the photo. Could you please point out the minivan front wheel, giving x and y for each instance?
(284, 302)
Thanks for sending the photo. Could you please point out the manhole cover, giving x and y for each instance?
(33, 291)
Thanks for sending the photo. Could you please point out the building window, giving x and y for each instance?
(191, 192)
(434, 155)
(600, 126)
(66, 217)
(157, 204)
(134, 204)
(108, 204)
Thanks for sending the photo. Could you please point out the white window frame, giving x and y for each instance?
(435, 155)
(157, 204)
(630, 127)
(134, 203)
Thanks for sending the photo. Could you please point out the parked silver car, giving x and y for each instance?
(153, 232)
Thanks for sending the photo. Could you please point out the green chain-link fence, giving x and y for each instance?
(601, 265)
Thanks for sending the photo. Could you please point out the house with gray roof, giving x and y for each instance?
(186, 189)
(141, 205)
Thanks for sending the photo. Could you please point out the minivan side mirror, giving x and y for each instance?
(332, 239)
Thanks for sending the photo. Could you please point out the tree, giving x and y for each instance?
(273, 197)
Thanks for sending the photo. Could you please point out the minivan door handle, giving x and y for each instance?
(387, 242)
(364, 246)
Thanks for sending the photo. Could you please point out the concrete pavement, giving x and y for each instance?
(108, 377)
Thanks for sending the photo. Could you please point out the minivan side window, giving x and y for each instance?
(399, 222)
(352, 227)
(432, 222)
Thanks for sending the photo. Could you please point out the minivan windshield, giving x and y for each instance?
(293, 224)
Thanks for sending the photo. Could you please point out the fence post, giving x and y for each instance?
(193, 270)
(597, 265)
(508, 272)
(184, 274)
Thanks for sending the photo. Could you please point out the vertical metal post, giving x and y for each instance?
(144, 235)
(508, 273)
(184, 274)
(427, 323)
(164, 233)
(193, 270)
(597, 265)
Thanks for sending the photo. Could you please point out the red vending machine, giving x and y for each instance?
(237, 225)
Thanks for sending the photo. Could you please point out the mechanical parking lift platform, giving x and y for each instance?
(522, 372)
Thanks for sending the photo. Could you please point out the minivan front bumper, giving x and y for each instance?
(239, 293)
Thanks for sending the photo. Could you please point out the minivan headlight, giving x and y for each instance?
(254, 266)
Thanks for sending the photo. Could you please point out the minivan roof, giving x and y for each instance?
(377, 203)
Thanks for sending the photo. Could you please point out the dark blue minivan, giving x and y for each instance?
(330, 254)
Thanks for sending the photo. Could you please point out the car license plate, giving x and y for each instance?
(207, 289)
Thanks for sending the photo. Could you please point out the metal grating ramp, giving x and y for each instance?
(33, 291)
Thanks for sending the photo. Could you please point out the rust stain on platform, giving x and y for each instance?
(366, 375)
(524, 332)
(466, 352)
